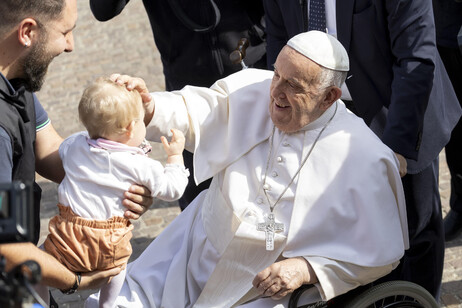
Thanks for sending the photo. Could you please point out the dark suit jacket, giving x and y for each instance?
(395, 70)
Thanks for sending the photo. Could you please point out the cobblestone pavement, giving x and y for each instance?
(125, 45)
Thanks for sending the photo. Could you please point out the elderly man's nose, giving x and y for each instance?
(277, 90)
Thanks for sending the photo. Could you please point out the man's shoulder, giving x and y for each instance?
(10, 117)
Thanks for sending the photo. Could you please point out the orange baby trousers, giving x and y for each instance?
(85, 245)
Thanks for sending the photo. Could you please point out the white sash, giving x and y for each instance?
(242, 249)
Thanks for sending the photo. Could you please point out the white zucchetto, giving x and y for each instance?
(322, 48)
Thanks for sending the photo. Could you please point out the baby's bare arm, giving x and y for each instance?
(175, 147)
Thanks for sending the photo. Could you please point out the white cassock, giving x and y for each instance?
(344, 212)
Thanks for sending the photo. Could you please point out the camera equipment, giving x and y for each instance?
(16, 212)
(16, 286)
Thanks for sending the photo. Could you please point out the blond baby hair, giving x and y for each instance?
(107, 107)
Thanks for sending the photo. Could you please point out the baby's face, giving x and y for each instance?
(139, 131)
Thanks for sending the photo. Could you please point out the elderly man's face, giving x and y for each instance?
(295, 98)
(55, 38)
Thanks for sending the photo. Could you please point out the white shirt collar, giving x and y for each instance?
(322, 120)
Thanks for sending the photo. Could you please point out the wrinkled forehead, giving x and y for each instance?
(292, 64)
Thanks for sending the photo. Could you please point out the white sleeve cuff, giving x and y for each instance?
(336, 277)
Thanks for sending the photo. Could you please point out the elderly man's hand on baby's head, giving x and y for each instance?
(138, 84)
(133, 83)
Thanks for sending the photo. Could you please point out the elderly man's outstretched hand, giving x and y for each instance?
(284, 277)
(133, 83)
(138, 84)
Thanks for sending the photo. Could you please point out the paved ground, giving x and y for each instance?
(125, 45)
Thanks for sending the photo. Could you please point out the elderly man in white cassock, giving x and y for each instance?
(302, 192)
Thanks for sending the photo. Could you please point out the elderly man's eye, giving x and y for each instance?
(293, 86)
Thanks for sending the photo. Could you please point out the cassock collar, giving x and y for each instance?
(322, 120)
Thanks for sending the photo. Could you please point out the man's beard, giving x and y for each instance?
(35, 67)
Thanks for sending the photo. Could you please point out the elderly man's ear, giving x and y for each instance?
(332, 94)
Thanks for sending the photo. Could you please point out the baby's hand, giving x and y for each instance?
(176, 145)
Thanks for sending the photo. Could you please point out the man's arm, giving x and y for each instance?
(47, 161)
(104, 10)
(412, 37)
(54, 274)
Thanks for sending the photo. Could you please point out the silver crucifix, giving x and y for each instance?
(270, 227)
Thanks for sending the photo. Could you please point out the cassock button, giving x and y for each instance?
(285, 143)
(266, 187)
(274, 174)
(279, 159)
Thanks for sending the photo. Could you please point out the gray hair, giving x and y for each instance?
(13, 11)
(328, 77)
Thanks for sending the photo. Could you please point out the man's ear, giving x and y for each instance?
(331, 95)
(28, 32)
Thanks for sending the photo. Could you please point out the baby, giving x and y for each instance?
(90, 233)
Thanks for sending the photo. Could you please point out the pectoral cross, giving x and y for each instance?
(270, 227)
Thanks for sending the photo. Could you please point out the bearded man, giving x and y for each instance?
(303, 192)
